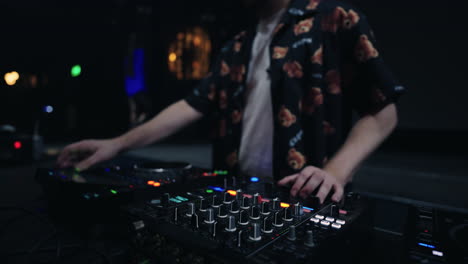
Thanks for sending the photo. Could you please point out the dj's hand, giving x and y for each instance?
(86, 153)
(311, 178)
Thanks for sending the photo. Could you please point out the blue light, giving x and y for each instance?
(48, 109)
(254, 179)
(426, 245)
(218, 189)
(107, 170)
(308, 208)
(134, 76)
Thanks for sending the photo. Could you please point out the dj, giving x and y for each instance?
(283, 93)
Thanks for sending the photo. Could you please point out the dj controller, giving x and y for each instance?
(176, 213)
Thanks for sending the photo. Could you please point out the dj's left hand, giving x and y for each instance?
(311, 178)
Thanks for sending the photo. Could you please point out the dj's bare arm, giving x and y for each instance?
(367, 134)
(86, 153)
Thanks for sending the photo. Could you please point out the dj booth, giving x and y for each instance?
(134, 210)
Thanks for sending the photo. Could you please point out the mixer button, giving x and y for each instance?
(231, 224)
(325, 223)
(203, 205)
(336, 226)
(265, 208)
(277, 222)
(245, 203)
(297, 209)
(255, 234)
(234, 207)
(215, 201)
(209, 216)
(330, 219)
(276, 204)
(227, 198)
(222, 211)
(254, 213)
(239, 194)
(267, 226)
(309, 239)
(292, 233)
(340, 222)
(243, 217)
(255, 199)
(191, 209)
(321, 217)
(194, 221)
(287, 216)
(315, 220)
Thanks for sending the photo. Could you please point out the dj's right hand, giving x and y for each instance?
(87, 153)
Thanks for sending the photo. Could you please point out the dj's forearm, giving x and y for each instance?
(166, 123)
(367, 134)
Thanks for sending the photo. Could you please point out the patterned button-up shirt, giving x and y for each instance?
(324, 65)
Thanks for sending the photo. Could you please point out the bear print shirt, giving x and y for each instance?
(324, 64)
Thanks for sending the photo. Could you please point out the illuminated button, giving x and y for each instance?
(232, 193)
(437, 253)
(341, 222)
(157, 184)
(330, 219)
(209, 191)
(284, 205)
(321, 217)
(183, 199)
(336, 226)
(150, 182)
(315, 220)
(324, 223)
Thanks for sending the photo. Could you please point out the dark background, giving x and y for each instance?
(420, 40)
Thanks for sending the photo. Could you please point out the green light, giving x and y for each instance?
(75, 71)
(113, 191)
(209, 191)
(183, 199)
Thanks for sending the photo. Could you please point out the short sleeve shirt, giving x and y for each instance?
(325, 64)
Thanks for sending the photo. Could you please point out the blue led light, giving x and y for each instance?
(218, 189)
(107, 170)
(308, 208)
(426, 245)
(254, 179)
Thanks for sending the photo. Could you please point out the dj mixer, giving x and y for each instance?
(253, 222)
(172, 212)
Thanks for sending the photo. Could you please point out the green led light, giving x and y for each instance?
(113, 191)
(183, 199)
(75, 71)
(209, 191)
(175, 200)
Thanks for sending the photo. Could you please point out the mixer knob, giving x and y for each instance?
(203, 205)
(297, 207)
(231, 224)
(191, 209)
(276, 204)
(277, 222)
(213, 229)
(234, 207)
(245, 203)
(287, 214)
(254, 213)
(255, 199)
(267, 228)
(210, 216)
(265, 208)
(239, 239)
(215, 201)
(239, 194)
(334, 210)
(194, 221)
(292, 233)
(255, 234)
(227, 198)
(243, 217)
(309, 239)
(165, 199)
(222, 211)
(176, 215)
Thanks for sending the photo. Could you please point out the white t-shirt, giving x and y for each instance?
(256, 149)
